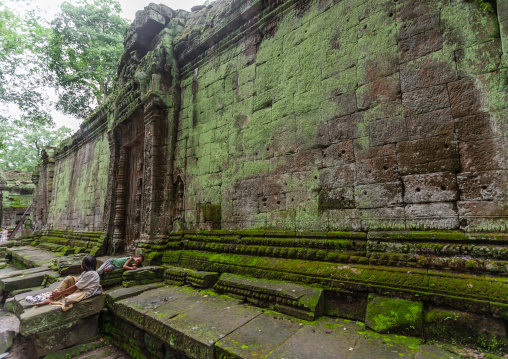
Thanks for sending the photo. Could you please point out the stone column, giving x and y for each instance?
(155, 165)
(119, 203)
(48, 173)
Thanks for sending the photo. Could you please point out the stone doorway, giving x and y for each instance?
(135, 165)
(128, 180)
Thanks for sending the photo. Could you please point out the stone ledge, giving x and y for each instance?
(26, 280)
(40, 319)
(190, 322)
(123, 293)
(18, 304)
(181, 276)
(258, 338)
(292, 299)
(144, 275)
(112, 278)
(179, 322)
(66, 335)
(30, 257)
(459, 291)
(475, 253)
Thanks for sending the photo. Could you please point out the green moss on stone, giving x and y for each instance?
(393, 315)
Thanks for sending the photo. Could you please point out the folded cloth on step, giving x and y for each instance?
(38, 298)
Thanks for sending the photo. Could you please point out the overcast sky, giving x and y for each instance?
(129, 8)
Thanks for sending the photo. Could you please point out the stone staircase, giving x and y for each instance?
(159, 312)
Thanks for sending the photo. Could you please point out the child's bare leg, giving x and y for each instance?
(44, 302)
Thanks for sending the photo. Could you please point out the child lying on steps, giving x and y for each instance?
(73, 289)
(125, 263)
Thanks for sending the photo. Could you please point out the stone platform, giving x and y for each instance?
(183, 322)
(29, 257)
(239, 317)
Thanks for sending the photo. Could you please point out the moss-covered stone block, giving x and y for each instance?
(66, 335)
(144, 275)
(465, 329)
(201, 279)
(175, 275)
(26, 280)
(296, 300)
(41, 319)
(154, 258)
(112, 278)
(95, 251)
(394, 315)
(171, 257)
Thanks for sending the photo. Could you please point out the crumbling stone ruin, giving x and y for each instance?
(354, 150)
(16, 194)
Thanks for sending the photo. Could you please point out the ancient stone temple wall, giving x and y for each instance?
(355, 145)
(347, 116)
(80, 180)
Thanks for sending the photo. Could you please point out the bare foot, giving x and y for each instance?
(44, 302)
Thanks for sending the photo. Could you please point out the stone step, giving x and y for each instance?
(94, 347)
(41, 319)
(112, 278)
(52, 246)
(70, 265)
(258, 338)
(17, 304)
(143, 275)
(292, 299)
(26, 280)
(190, 322)
(182, 322)
(65, 335)
(181, 276)
(23, 272)
(123, 293)
(30, 256)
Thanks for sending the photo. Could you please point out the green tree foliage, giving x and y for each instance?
(23, 99)
(84, 48)
(77, 54)
(23, 147)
